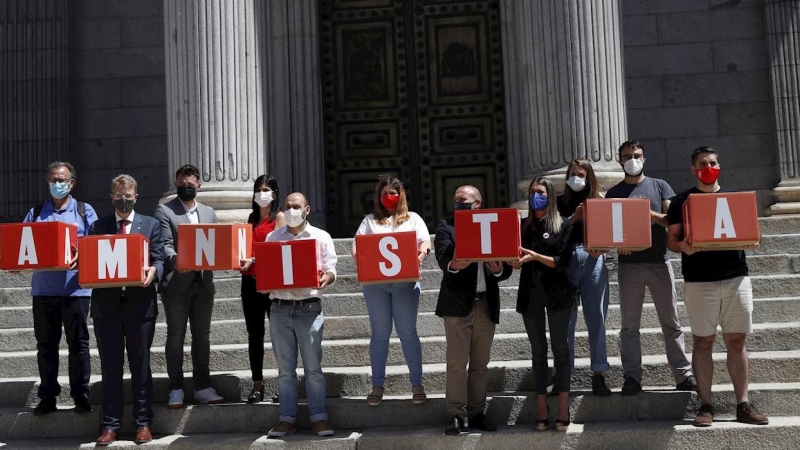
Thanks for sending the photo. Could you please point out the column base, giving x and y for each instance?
(788, 199)
(231, 206)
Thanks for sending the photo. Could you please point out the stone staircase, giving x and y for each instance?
(657, 418)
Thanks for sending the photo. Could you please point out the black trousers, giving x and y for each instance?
(534, 319)
(114, 338)
(256, 308)
(49, 315)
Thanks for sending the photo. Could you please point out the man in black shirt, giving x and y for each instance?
(717, 291)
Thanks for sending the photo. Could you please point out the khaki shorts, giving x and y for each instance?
(727, 303)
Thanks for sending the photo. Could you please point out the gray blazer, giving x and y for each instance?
(170, 215)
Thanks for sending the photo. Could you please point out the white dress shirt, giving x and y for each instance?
(414, 223)
(327, 252)
(191, 213)
(127, 225)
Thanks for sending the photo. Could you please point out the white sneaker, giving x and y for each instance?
(208, 395)
(176, 399)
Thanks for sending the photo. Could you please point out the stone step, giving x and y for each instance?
(508, 410)
(504, 376)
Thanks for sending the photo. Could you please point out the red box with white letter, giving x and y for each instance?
(112, 260)
(36, 246)
(287, 265)
(213, 246)
(721, 221)
(617, 223)
(487, 234)
(387, 258)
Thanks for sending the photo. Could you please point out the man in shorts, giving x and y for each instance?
(717, 291)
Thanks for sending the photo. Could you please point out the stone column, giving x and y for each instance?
(783, 30)
(243, 97)
(564, 79)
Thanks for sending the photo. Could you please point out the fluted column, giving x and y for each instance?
(564, 81)
(243, 97)
(783, 28)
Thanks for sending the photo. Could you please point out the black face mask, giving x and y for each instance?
(462, 206)
(124, 205)
(186, 193)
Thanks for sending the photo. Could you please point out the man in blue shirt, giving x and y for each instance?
(59, 301)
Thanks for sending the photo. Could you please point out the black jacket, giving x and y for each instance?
(557, 245)
(457, 292)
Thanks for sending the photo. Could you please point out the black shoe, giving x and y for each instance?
(555, 391)
(44, 407)
(689, 384)
(82, 406)
(481, 422)
(599, 387)
(454, 426)
(631, 387)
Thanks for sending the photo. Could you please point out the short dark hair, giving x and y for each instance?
(704, 149)
(187, 170)
(55, 164)
(634, 144)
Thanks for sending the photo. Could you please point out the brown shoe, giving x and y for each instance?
(705, 416)
(323, 428)
(747, 412)
(143, 435)
(282, 429)
(107, 437)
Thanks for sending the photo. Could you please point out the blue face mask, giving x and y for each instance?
(538, 202)
(59, 190)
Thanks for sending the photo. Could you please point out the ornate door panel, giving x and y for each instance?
(412, 88)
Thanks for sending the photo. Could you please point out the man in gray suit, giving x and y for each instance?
(186, 294)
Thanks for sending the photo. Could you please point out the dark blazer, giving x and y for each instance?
(139, 301)
(170, 215)
(558, 245)
(457, 292)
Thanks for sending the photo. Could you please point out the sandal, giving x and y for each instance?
(276, 398)
(419, 396)
(544, 424)
(562, 425)
(374, 399)
(256, 393)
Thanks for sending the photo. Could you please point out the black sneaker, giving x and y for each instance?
(631, 387)
(481, 422)
(599, 387)
(455, 425)
(44, 407)
(689, 384)
(747, 412)
(82, 406)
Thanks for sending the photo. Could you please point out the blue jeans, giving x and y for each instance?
(398, 302)
(591, 277)
(291, 327)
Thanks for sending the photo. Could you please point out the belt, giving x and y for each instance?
(480, 295)
(305, 301)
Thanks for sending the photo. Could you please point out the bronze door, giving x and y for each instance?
(412, 88)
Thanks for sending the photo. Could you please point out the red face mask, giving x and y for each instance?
(708, 174)
(389, 201)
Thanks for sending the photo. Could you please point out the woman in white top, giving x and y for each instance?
(394, 302)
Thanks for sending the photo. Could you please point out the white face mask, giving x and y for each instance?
(634, 167)
(294, 217)
(576, 183)
(263, 199)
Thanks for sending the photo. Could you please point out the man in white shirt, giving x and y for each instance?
(296, 320)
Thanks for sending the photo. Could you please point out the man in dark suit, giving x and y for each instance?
(187, 295)
(125, 318)
(469, 303)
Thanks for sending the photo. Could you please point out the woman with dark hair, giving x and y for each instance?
(394, 302)
(546, 294)
(587, 270)
(266, 216)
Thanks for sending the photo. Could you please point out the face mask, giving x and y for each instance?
(124, 205)
(708, 174)
(462, 206)
(294, 217)
(263, 199)
(538, 202)
(389, 201)
(186, 193)
(59, 190)
(576, 183)
(634, 167)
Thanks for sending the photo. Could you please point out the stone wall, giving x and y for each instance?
(119, 109)
(697, 73)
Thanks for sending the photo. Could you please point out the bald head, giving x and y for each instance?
(295, 200)
(468, 194)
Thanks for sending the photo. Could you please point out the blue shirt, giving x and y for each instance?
(61, 283)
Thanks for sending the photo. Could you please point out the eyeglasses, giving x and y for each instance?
(630, 157)
(58, 180)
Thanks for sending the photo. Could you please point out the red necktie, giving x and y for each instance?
(122, 224)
